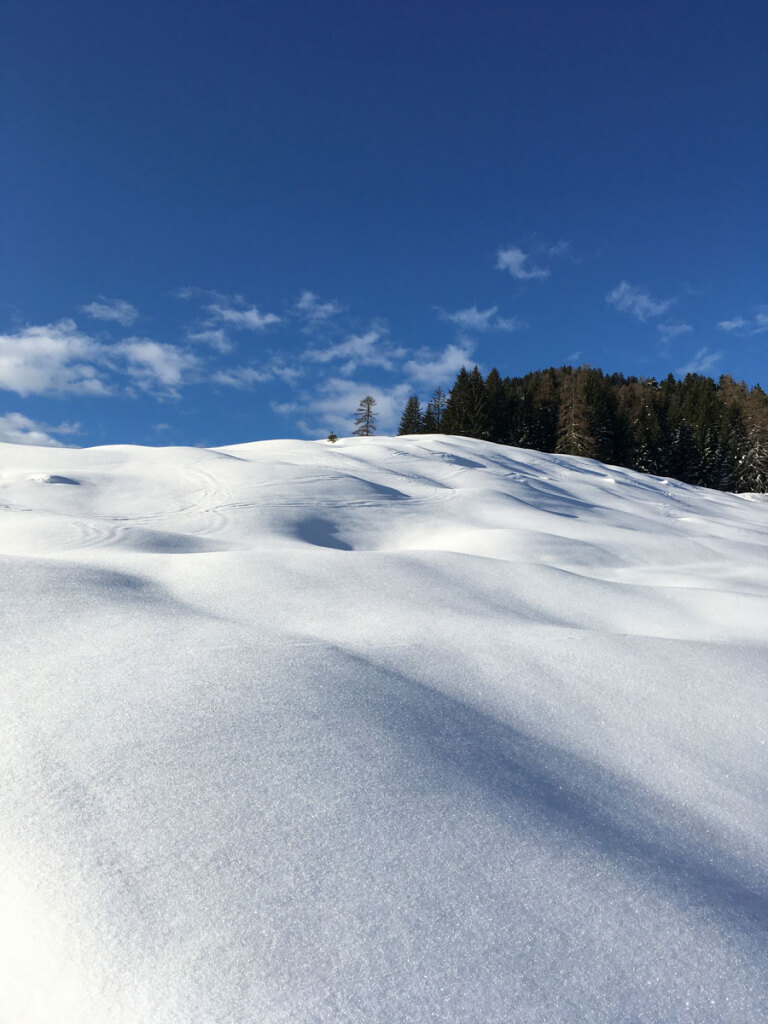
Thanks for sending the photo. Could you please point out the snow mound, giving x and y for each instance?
(391, 730)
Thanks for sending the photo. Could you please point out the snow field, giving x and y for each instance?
(397, 729)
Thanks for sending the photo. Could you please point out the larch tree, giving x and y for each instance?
(365, 417)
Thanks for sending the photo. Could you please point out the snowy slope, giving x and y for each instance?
(392, 730)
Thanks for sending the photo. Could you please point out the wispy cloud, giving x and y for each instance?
(703, 360)
(244, 319)
(561, 248)
(439, 368)
(309, 306)
(669, 330)
(117, 310)
(228, 309)
(156, 366)
(51, 359)
(474, 319)
(628, 298)
(19, 429)
(245, 377)
(216, 337)
(519, 266)
(739, 325)
(371, 348)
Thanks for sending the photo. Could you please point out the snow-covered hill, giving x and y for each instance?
(392, 730)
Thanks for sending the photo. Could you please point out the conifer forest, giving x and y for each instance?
(697, 430)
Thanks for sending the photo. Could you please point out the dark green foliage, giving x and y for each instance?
(697, 430)
(412, 420)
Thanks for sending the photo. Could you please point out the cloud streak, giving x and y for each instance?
(673, 330)
(474, 319)
(117, 310)
(249, 319)
(739, 325)
(372, 348)
(703, 361)
(311, 308)
(518, 264)
(628, 298)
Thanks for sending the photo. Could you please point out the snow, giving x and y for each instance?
(391, 730)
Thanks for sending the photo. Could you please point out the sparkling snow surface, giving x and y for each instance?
(392, 730)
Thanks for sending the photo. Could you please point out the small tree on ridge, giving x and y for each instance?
(365, 417)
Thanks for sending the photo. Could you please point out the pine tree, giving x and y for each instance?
(429, 424)
(498, 406)
(412, 420)
(683, 461)
(365, 417)
(456, 416)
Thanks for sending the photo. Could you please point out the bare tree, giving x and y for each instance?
(365, 417)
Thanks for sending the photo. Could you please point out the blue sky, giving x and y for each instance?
(229, 221)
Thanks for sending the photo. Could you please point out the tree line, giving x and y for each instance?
(698, 430)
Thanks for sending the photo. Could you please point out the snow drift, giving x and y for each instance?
(392, 730)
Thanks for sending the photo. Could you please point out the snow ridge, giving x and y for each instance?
(396, 729)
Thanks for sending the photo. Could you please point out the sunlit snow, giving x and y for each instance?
(392, 730)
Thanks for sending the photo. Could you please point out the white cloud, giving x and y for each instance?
(111, 309)
(245, 319)
(241, 377)
(54, 358)
(216, 337)
(432, 368)
(508, 323)
(151, 363)
(757, 325)
(309, 306)
(737, 324)
(517, 263)
(701, 362)
(561, 248)
(628, 298)
(369, 349)
(669, 330)
(474, 319)
(19, 429)
(244, 377)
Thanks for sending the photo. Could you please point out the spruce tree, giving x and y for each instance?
(412, 420)
(498, 407)
(456, 415)
(429, 424)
